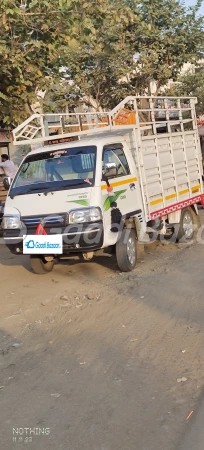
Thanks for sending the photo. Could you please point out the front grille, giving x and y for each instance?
(48, 220)
(52, 224)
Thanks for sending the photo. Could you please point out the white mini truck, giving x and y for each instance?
(105, 181)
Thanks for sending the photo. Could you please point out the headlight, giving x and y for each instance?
(11, 222)
(85, 215)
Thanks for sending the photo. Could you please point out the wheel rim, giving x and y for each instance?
(187, 224)
(131, 253)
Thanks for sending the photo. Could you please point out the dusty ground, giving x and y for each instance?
(94, 355)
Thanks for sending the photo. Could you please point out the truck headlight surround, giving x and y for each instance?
(85, 215)
(11, 222)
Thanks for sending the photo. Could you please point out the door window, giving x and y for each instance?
(115, 154)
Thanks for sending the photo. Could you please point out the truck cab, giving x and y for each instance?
(83, 191)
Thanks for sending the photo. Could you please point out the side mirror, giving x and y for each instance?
(110, 171)
(7, 183)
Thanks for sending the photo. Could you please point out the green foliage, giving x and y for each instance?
(28, 54)
(191, 84)
(107, 50)
(168, 35)
(148, 42)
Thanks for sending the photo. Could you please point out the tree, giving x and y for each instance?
(191, 84)
(35, 38)
(168, 35)
(93, 52)
(40, 37)
(29, 40)
(149, 42)
(97, 71)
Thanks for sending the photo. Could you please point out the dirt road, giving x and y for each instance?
(91, 357)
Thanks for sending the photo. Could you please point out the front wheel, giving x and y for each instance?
(126, 254)
(40, 265)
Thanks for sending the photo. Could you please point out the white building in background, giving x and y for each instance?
(36, 107)
(186, 67)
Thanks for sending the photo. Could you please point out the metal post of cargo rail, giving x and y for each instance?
(42, 126)
(80, 123)
(174, 167)
(62, 124)
(193, 102)
(152, 121)
(110, 120)
(138, 150)
(167, 116)
(180, 114)
(45, 122)
(184, 146)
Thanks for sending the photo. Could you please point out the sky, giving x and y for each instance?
(192, 2)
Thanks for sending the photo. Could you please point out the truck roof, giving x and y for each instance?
(105, 137)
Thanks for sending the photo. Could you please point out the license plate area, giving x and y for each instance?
(42, 244)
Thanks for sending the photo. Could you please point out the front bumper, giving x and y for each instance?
(76, 239)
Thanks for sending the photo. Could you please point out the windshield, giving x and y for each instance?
(55, 170)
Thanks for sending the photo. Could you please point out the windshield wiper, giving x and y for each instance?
(47, 188)
(30, 189)
(79, 182)
(37, 188)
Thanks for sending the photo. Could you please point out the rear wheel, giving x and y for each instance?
(40, 265)
(126, 250)
(189, 224)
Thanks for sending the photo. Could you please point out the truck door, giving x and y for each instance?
(118, 192)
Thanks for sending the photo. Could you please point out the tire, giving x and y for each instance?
(126, 254)
(40, 266)
(189, 223)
